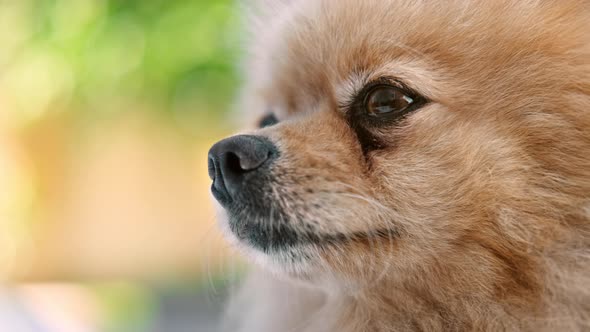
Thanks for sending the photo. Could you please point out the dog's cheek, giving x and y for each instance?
(454, 174)
(321, 174)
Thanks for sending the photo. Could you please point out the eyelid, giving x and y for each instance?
(360, 98)
(387, 81)
(367, 86)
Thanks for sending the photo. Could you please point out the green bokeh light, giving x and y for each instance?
(78, 55)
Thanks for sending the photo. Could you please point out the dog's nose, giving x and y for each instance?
(231, 161)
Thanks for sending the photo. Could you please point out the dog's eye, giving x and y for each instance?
(268, 120)
(386, 99)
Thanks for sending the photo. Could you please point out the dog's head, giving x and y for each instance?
(411, 137)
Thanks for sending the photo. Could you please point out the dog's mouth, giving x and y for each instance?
(278, 234)
(257, 219)
(265, 234)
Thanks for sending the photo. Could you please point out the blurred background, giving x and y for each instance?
(107, 110)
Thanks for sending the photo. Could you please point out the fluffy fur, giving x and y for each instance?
(475, 213)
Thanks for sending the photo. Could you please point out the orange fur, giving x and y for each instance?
(475, 215)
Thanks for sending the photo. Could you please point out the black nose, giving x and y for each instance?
(234, 159)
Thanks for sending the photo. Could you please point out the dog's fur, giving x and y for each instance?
(474, 213)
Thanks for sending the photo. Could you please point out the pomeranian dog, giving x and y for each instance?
(418, 166)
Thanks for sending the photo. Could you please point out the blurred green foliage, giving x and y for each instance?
(81, 55)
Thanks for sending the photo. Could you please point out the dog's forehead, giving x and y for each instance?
(327, 48)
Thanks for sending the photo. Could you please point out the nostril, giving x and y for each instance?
(233, 163)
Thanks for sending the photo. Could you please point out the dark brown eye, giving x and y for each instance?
(387, 100)
(268, 120)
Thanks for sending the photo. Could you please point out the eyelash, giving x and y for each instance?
(368, 86)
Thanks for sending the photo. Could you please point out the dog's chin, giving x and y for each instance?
(262, 234)
(270, 250)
